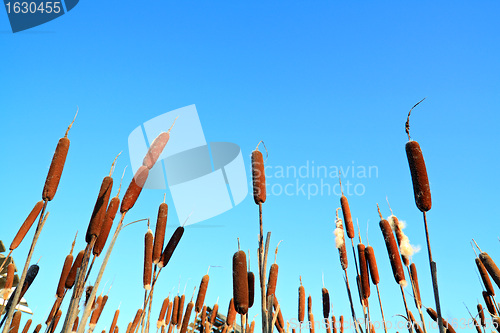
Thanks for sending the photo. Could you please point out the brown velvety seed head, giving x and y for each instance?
(258, 177)
(171, 245)
(134, 189)
(107, 223)
(203, 318)
(421, 188)
(161, 317)
(61, 287)
(27, 326)
(175, 310)
(372, 264)
(326, 302)
(16, 321)
(273, 279)
(115, 319)
(11, 271)
(491, 267)
(202, 291)
(148, 259)
(168, 315)
(56, 321)
(484, 276)
(231, 313)
(346, 212)
(363, 271)
(155, 150)
(392, 251)
(161, 224)
(414, 277)
(309, 304)
(187, 316)
(137, 318)
(432, 313)
(56, 169)
(480, 312)
(25, 227)
(489, 303)
(251, 289)
(179, 312)
(70, 280)
(37, 328)
(213, 315)
(302, 303)
(100, 207)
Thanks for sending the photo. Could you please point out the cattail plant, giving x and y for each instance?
(480, 313)
(161, 224)
(372, 265)
(16, 321)
(75, 325)
(61, 286)
(231, 313)
(37, 328)
(433, 314)
(107, 223)
(213, 315)
(168, 315)
(136, 321)
(9, 280)
(187, 315)
(70, 280)
(422, 193)
(27, 326)
(114, 321)
(180, 310)
(170, 247)
(175, 310)
(484, 277)
(148, 259)
(161, 318)
(302, 303)
(416, 293)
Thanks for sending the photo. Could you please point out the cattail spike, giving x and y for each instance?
(70, 125)
(73, 244)
(340, 182)
(477, 245)
(113, 169)
(276, 251)
(407, 125)
(172, 124)
(473, 249)
(379, 213)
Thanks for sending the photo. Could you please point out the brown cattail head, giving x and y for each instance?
(161, 318)
(25, 227)
(61, 287)
(273, 279)
(155, 151)
(392, 251)
(27, 326)
(203, 319)
(171, 245)
(484, 276)
(251, 289)
(88, 291)
(137, 318)
(202, 291)
(213, 315)
(75, 325)
(372, 264)
(326, 302)
(103, 304)
(179, 312)
(70, 280)
(489, 303)
(259, 177)
(432, 313)
(148, 259)
(100, 207)
(416, 288)
(302, 302)
(56, 321)
(309, 304)
(53, 311)
(334, 325)
(168, 315)
(134, 189)
(311, 320)
(491, 267)
(363, 271)
(280, 323)
(115, 319)
(480, 312)
(252, 327)
(9, 280)
(95, 313)
(37, 328)
(56, 169)
(107, 223)
(421, 188)
(16, 321)
(231, 313)
(346, 212)
(30, 277)
(341, 319)
(161, 224)
(187, 316)
(175, 310)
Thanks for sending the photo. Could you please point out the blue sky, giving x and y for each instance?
(323, 82)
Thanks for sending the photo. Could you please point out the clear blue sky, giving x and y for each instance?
(320, 82)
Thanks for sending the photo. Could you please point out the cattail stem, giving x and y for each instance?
(410, 328)
(419, 306)
(350, 301)
(381, 308)
(90, 268)
(88, 307)
(434, 277)
(17, 293)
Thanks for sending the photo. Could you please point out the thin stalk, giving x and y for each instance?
(434, 277)
(350, 301)
(381, 308)
(410, 329)
(88, 307)
(419, 306)
(17, 293)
